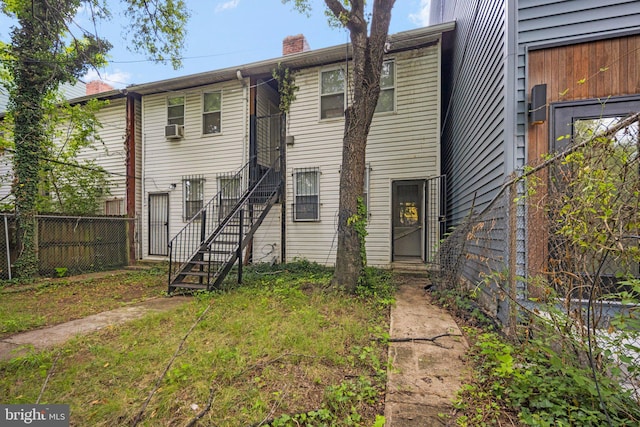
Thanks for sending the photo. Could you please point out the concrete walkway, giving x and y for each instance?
(425, 375)
(41, 339)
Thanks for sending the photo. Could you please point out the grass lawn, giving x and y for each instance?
(49, 302)
(280, 349)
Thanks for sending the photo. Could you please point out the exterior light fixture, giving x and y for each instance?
(538, 105)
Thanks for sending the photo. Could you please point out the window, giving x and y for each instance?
(386, 101)
(192, 196)
(331, 94)
(229, 193)
(175, 110)
(211, 112)
(113, 207)
(306, 194)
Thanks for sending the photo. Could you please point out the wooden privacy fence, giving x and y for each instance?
(70, 245)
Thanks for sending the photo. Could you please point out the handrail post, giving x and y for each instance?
(203, 236)
(240, 232)
(170, 263)
(203, 225)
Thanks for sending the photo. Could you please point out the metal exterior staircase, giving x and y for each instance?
(205, 250)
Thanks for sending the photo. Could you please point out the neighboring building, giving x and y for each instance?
(499, 51)
(111, 152)
(69, 91)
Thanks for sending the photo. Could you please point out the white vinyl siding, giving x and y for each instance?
(266, 241)
(111, 152)
(404, 145)
(166, 162)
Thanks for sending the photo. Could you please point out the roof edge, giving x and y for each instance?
(399, 41)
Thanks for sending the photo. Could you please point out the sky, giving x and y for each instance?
(226, 33)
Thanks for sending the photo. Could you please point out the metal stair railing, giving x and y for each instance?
(185, 245)
(227, 243)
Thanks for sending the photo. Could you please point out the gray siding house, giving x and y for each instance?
(501, 49)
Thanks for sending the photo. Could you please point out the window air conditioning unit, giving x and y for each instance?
(174, 131)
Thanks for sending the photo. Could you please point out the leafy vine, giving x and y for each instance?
(286, 87)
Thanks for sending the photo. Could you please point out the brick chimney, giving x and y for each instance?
(97, 86)
(294, 44)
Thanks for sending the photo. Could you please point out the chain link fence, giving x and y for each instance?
(560, 242)
(69, 245)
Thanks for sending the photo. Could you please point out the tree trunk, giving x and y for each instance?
(32, 81)
(368, 53)
(29, 142)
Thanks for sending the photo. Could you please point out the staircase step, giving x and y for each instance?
(196, 273)
(212, 263)
(186, 285)
(221, 252)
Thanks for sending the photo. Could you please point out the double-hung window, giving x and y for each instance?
(386, 101)
(211, 112)
(229, 193)
(332, 89)
(175, 110)
(306, 190)
(192, 196)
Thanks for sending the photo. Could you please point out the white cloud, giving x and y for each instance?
(231, 4)
(118, 79)
(422, 16)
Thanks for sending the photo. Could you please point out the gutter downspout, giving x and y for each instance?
(144, 183)
(131, 174)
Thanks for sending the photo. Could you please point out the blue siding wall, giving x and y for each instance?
(476, 157)
(474, 106)
(563, 21)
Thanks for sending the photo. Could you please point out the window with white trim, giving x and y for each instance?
(175, 110)
(211, 112)
(332, 89)
(192, 196)
(306, 191)
(387, 99)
